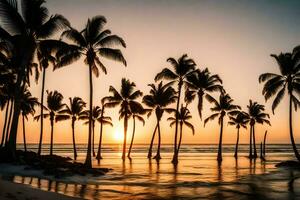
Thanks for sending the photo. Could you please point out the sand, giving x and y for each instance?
(15, 191)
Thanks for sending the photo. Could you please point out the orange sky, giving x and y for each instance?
(233, 39)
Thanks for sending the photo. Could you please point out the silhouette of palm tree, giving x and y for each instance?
(136, 113)
(182, 68)
(73, 111)
(54, 108)
(159, 98)
(91, 43)
(240, 120)
(255, 115)
(184, 116)
(201, 83)
(278, 84)
(103, 120)
(126, 98)
(222, 107)
(25, 30)
(28, 104)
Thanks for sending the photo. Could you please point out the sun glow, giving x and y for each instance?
(118, 135)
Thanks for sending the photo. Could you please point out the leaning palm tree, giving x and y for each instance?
(136, 113)
(54, 108)
(184, 116)
(222, 107)
(73, 111)
(240, 120)
(91, 43)
(103, 120)
(287, 81)
(126, 99)
(28, 104)
(25, 30)
(160, 97)
(182, 68)
(255, 115)
(203, 82)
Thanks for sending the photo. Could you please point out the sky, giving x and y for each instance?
(232, 38)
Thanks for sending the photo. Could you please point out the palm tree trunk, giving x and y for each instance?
(51, 141)
(88, 159)
(220, 141)
(254, 144)
(151, 144)
(42, 112)
(125, 135)
(175, 159)
(131, 143)
(24, 135)
(74, 141)
(8, 128)
(157, 156)
(264, 146)
(98, 157)
(250, 144)
(5, 124)
(93, 139)
(180, 138)
(291, 129)
(237, 143)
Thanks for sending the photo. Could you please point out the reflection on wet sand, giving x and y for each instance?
(191, 178)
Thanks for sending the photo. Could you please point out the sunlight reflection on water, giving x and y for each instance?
(197, 175)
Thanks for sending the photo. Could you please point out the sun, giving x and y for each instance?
(118, 135)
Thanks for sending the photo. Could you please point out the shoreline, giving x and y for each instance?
(18, 191)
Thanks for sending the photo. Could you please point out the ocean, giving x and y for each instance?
(197, 176)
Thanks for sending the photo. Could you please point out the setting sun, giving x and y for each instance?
(118, 135)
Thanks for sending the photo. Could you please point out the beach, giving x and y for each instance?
(197, 176)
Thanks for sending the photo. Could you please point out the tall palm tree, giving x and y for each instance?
(182, 68)
(91, 43)
(255, 115)
(288, 80)
(73, 111)
(54, 109)
(159, 98)
(136, 113)
(184, 116)
(103, 120)
(239, 120)
(221, 107)
(46, 51)
(28, 104)
(25, 30)
(126, 99)
(203, 82)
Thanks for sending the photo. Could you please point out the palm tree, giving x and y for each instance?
(159, 98)
(240, 120)
(136, 113)
(103, 120)
(255, 115)
(27, 107)
(288, 80)
(25, 31)
(91, 43)
(184, 116)
(126, 98)
(182, 68)
(45, 54)
(73, 111)
(220, 109)
(201, 83)
(54, 108)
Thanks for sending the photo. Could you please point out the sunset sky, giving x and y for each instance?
(232, 38)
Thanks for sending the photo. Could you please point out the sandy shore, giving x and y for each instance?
(15, 191)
